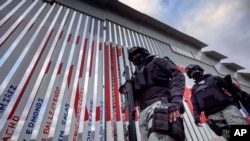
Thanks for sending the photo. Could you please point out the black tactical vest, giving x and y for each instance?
(209, 95)
(150, 74)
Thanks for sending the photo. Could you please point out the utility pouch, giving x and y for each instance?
(160, 122)
(177, 130)
(217, 130)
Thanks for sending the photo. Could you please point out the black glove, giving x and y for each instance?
(197, 120)
(174, 107)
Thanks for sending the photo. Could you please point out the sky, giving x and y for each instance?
(224, 25)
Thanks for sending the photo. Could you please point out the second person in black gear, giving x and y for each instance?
(210, 94)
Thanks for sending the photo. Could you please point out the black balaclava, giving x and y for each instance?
(138, 60)
(197, 75)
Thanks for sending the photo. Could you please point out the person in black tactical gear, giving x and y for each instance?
(158, 88)
(210, 94)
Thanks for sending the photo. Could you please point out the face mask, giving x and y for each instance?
(197, 75)
(138, 60)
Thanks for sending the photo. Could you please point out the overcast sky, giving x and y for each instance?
(224, 25)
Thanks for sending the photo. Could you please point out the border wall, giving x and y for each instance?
(61, 64)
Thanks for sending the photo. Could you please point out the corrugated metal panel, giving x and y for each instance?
(61, 70)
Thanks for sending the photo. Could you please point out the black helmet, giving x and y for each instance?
(132, 51)
(191, 67)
